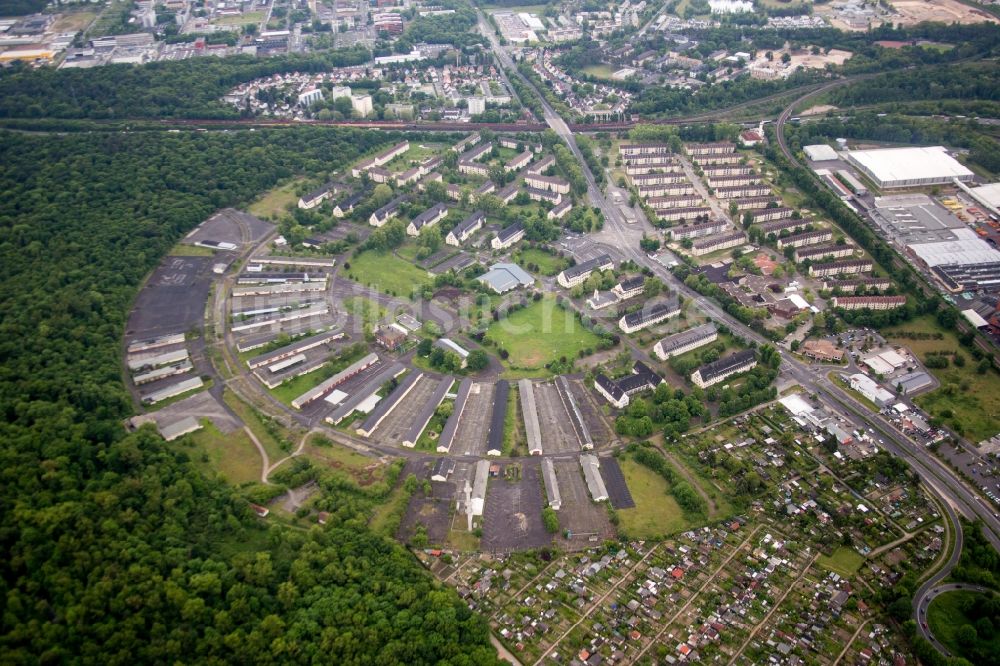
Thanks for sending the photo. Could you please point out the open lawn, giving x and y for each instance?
(656, 512)
(540, 333)
(599, 71)
(387, 272)
(843, 561)
(245, 18)
(233, 456)
(181, 250)
(367, 310)
(946, 616)
(966, 401)
(548, 264)
(273, 203)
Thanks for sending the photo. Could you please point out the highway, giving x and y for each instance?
(955, 495)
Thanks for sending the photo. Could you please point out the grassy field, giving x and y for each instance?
(540, 333)
(252, 421)
(364, 470)
(73, 21)
(182, 250)
(966, 401)
(599, 71)
(386, 518)
(656, 512)
(292, 389)
(369, 311)
(233, 456)
(245, 18)
(273, 203)
(945, 617)
(844, 561)
(388, 273)
(548, 264)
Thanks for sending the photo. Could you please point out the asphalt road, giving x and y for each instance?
(922, 601)
(941, 480)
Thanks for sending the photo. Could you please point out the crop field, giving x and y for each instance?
(540, 333)
(967, 401)
(386, 272)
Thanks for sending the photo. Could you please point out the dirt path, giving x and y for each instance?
(713, 507)
(265, 468)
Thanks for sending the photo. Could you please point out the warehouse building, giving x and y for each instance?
(592, 474)
(909, 167)
(327, 386)
(387, 404)
(451, 426)
(504, 277)
(494, 440)
(532, 429)
(870, 389)
(449, 345)
(575, 417)
(426, 412)
(551, 484)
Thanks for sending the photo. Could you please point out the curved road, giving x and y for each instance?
(925, 601)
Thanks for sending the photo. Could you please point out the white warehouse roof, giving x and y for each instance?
(820, 152)
(962, 252)
(902, 167)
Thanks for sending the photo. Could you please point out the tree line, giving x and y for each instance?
(119, 550)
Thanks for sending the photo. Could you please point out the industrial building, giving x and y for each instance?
(330, 384)
(504, 277)
(820, 153)
(426, 412)
(494, 440)
(717, 371)
(909, 167)
(388, 404)
(575, 417)
(870, 389)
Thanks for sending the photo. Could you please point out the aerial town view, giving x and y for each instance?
(485, 332)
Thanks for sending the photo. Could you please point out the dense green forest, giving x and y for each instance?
(172, 89)
(21, 7)
(116, 549)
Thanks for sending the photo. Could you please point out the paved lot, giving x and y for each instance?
(512, 519)
(470, 437)
(579, 514)
(614, 481)
(224, 226)
(394, 427)
(593, 418)
(201, 406)
(173, 301)
(557, 433)
(430, 511)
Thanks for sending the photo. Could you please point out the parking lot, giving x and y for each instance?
(581, 516)
(512, 518)
(614, 481)
(470, 437)
(557, 433)
(173, 300)
(230, 226)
